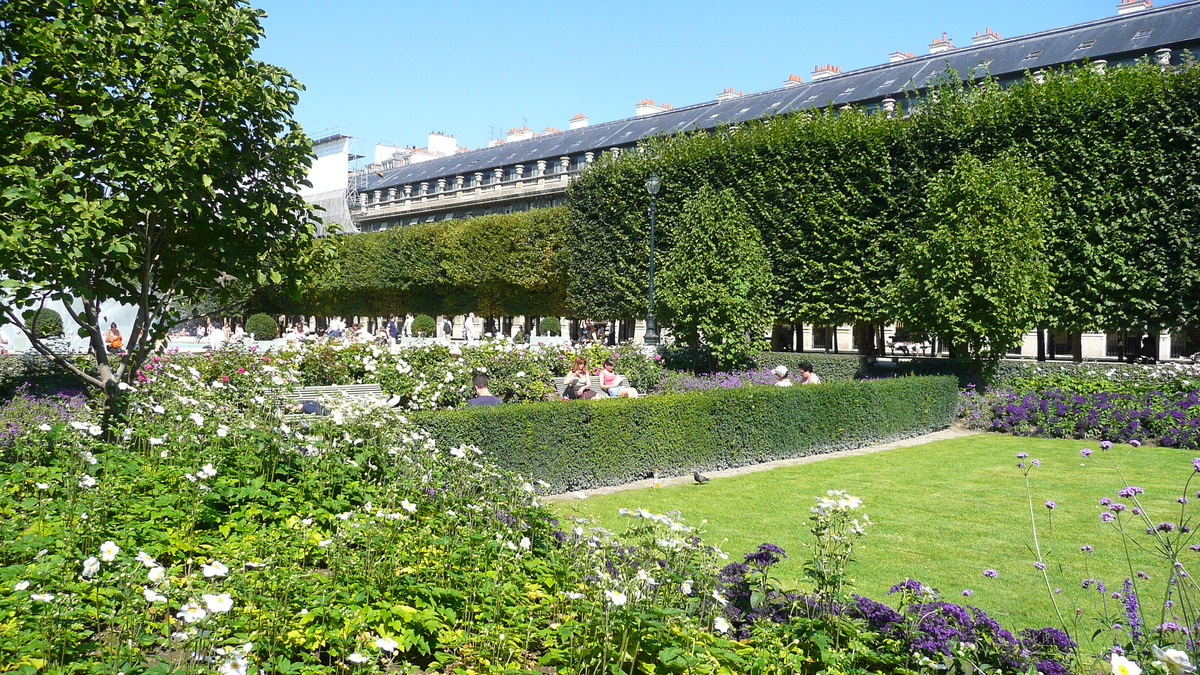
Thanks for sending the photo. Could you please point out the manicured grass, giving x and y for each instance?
(943, 513)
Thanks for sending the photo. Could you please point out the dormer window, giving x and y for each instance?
(1033, 55)
(1085, 45)
(1143, 33)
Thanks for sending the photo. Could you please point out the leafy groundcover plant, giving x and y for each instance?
(208, 535)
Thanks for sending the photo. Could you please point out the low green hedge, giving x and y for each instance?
(854, 367)
(586, 444)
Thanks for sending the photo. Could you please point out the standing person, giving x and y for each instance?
(611, 382)
(216, 339)
(447, 328)
(393, 330)
(5, 343)
(782, 376)
(469, 328)
(807, 376)
(482, 395)
(408, 322)
(112, 338)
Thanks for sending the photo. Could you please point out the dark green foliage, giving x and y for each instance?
(549, 325)
(43, 322)
(834, 367)
(716, 280)
(423, 325)
(587, 444)
(262, 327)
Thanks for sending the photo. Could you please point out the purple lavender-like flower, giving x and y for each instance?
(1086, 548)
(1085, 453)
(1165, 527)
(1133, 615)
(1196, 464)
(1117, 507)
(1107, 517)
(1022, 455)
(1135, 443)
(1105, 501)
(991, 573)
(1170, 627)
(1105, 445)
(1050, 504)
(1035, 462)
(1039, 565)
(967, 592)
(1129, 491)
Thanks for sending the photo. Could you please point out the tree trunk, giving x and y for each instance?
(1041, 344)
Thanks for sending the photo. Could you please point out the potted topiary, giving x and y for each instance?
(44, 322)
(549, 325)
(424, 326)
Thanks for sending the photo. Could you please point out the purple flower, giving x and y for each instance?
(967, 591)
(1117, 507)
(1196, 464)
(1086, 452)
(1107, 517)
(991, 573)
(1129, 491)
(1105, 501)
(1050, 504)
(1022, 455)
(1040, 565)
(1105, 445)
(1135, 443)
(1165, 527)
(1035, 462)
(1182, 500)
(1086, 548)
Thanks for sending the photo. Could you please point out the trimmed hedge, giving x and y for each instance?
(262, 327)
(587, 444)
(833, 367)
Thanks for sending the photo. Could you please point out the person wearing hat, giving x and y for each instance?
(782, 378)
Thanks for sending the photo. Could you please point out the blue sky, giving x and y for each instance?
(394, 70)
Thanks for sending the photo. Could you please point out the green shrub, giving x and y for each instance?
(262, 327)
(44, 322)
(549, 325)
(423, 325)
(588, 444)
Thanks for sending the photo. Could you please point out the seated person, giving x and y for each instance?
(309, 408)
(807, 376)
(577, 382)
(611, 382)
(782, 376)
(482, 395)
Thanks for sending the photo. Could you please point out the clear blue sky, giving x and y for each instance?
(393, 70)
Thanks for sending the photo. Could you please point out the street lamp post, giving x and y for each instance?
(651, 337)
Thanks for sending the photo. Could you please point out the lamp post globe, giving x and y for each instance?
(653, 184)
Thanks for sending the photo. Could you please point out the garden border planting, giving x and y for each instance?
(581, 445)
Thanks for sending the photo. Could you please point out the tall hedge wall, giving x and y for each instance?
(586, 444)
(837, 193)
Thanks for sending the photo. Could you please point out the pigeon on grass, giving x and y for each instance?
(699, 477)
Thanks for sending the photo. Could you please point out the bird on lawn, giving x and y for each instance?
(699, 477)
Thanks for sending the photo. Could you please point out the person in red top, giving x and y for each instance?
(611, 382)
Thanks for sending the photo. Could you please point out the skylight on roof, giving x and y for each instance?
(1085, 45)
(985, 64)
(714, 116)
(1143, 33)
(743, 111)
(849, 89)
(889, 83)
(810, 98)
(1033, 54)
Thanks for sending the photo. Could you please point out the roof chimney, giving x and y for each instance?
(648, 107)
(823, 72)
(519, 134)
(985, 37)
(579, 121)
(896, 57)
(941, 45)
(793, 81)
(441, 144)
(551, 130)
(728, 95)
(1131, 6)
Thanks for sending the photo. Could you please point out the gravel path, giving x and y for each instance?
(952, 432)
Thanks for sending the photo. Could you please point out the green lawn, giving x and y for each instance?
(943, 513)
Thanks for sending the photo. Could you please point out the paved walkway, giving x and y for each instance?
(952, 432)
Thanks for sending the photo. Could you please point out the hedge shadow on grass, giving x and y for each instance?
(587, 444)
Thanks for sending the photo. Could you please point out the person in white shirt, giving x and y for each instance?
(469, 328)
(807, 376)
(408, 322)
(216, 339)
(782, 376)
(5, 343)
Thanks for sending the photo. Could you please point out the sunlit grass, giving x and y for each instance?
(943, 513)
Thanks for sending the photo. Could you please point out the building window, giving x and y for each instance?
(1143, 33)
(1033, 54)
(1085, 45)
(822, 337)
(1184, 343)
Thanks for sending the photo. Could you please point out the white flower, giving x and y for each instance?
(87, 481)
(79, 426)
(572, 595)
(214, 569)
(123, 386)
(44, 427)
(197, 418)
(152, 595)
(324, 542)
(615, 597)
(90, 567)
(145, 559)
(21, 585)
(1123, 666)
(644, 576)
(218, 603)
(94, 430)
(109, 551)
(159, 409)
(42, 597)
(42, 486)
(154, 440)
(239, 665)
(222, 431)
(408, 506)
(525, 543)
(458, 452)
(686, 587)
(88, 457)
(388, 644)
(207, 471)
(157, 574)
(357, 658)
(720, 600)
(721, 624)
(1176, 661)
(191, 613)
(520, 374)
